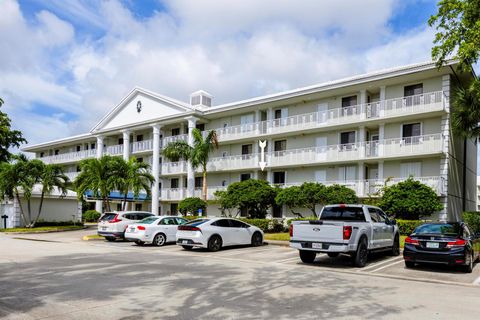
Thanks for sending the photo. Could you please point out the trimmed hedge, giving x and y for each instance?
(472, 219)
(91, 216)
(406, 227)
(57, 223)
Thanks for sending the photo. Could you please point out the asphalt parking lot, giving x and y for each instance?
(58, 276)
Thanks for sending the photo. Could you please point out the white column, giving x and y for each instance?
(156, 168)
(363, 103)
(382, 101)
(269, 119)
(98, 203)
(126, 144)
(361, 178)
(192, 121)
(381, 138)
(361, 141)
(380, 170)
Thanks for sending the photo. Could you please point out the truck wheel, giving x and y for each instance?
(307, 256)
(360, 257)
(333, 254)
(396, 246)
(409, 264)
(110, 239)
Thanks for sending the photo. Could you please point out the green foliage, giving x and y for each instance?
(266, 225)
(406, 227)
(91, 216)
(42, 223)
(466, 110)
(340, 194)
(8, 138)
(289, 221)
(410, 199)
(197, 155)
(192, 205)
(458, 32)
(256, 196)
(472, 219)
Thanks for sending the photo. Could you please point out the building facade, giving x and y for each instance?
(362, 132)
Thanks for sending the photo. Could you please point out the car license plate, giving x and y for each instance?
(316, 245)
(433, 245)
(184, 241)
(132, 229)
(104, 228)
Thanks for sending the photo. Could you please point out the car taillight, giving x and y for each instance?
(411, 241)
(141, 228)
(189, 228)
(347, 232)
(456, 243)
(291, 230)
(115, 219)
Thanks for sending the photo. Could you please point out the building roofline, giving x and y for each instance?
(33, 147)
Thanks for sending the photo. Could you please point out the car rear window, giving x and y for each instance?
(343, 214)
(196, 222)
(148, 220)
(108, 216)
(449, 229)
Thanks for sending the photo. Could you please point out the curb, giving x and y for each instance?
(86, 238)
(40, 232)
(278, 243)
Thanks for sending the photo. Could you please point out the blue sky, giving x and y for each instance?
(66, 63)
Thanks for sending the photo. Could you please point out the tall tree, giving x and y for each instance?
(8, 138)
(197, 155)
(132, 176)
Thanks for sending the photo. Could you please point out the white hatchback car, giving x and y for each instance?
(112, 225)
(156, 230)
(215, 233)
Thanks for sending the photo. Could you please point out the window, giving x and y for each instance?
(349, 101)
(174, 208)
(120, 140)
(278, 114)
(195, 100)
(343, 214)
(175, 131)
(119, 207)
(198, 182)
(279, 177)
(408, 169)
(138, 206)
(277, 211)
(79, 148)
(246, 149)
(238, 224)
(280, 145)
(206, 101)
(201, 126)
(411, 131)
(140, 137)
(42, 154)
(224, 183)
(168, 221)
(347, 173)
(181, 221)
(347, 137)
(86, 146)
(92, 146)
(413, 90)
(139, 159)
(223, 223)
(376, 215)
(57, 152)
(244, 176)
(174, 183)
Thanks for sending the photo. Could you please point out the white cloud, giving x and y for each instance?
(234, 51)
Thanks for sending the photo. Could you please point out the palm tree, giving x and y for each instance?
(52, 177)
(197, 154)
(466, 110)
(97, 175)
(133, 176)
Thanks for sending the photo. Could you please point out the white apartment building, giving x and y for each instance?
(361, 132)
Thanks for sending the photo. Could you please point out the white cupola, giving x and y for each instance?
(201, 99)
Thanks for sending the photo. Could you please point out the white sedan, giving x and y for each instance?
(216, 233)
(156, 230)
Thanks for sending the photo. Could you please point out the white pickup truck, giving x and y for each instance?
(348, 229)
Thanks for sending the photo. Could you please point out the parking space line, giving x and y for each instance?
(377, 264)
(287, 260)
(241, 251)
(386, 266)
(476, 282)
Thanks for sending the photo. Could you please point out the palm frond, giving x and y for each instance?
(177, 150)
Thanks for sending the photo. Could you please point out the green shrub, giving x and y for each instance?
(406, 227)
(472, 219)
(91, 216)
(289, 221)
(57, 223)
(192, 205)
(266, 225)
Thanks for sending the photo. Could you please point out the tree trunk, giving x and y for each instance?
(124, 202)
(39, 209)
(29, 208)
(204, 189)
(17, 195)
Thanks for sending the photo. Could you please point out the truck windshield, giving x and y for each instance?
(343, 214)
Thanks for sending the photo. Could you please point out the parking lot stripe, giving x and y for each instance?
(287, 260)
(476, 282)
(386, 266)
(377, 264)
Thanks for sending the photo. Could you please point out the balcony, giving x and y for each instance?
(427, 102)
(178, 194)
(141, 146)
(114, 150)
(72, 175)
(167, 140)
(70, 157)
(178, 167)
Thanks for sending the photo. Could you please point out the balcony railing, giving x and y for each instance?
(177, 194)
(70, 157)
(427, 102)
(174, 167)
(140, 146)
(72, 175)
(114, 150)
(167, 140)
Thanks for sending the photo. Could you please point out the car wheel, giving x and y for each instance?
(188, 248)
(215, 243)
(307, 256)
(257, 239)
(360, 257)
(333, 254)
(159, 240)
(110, 239)
(396, 246)
(139, 243)
(409, 264)
(469, 266)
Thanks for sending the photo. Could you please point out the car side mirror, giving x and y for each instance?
(393, 222)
